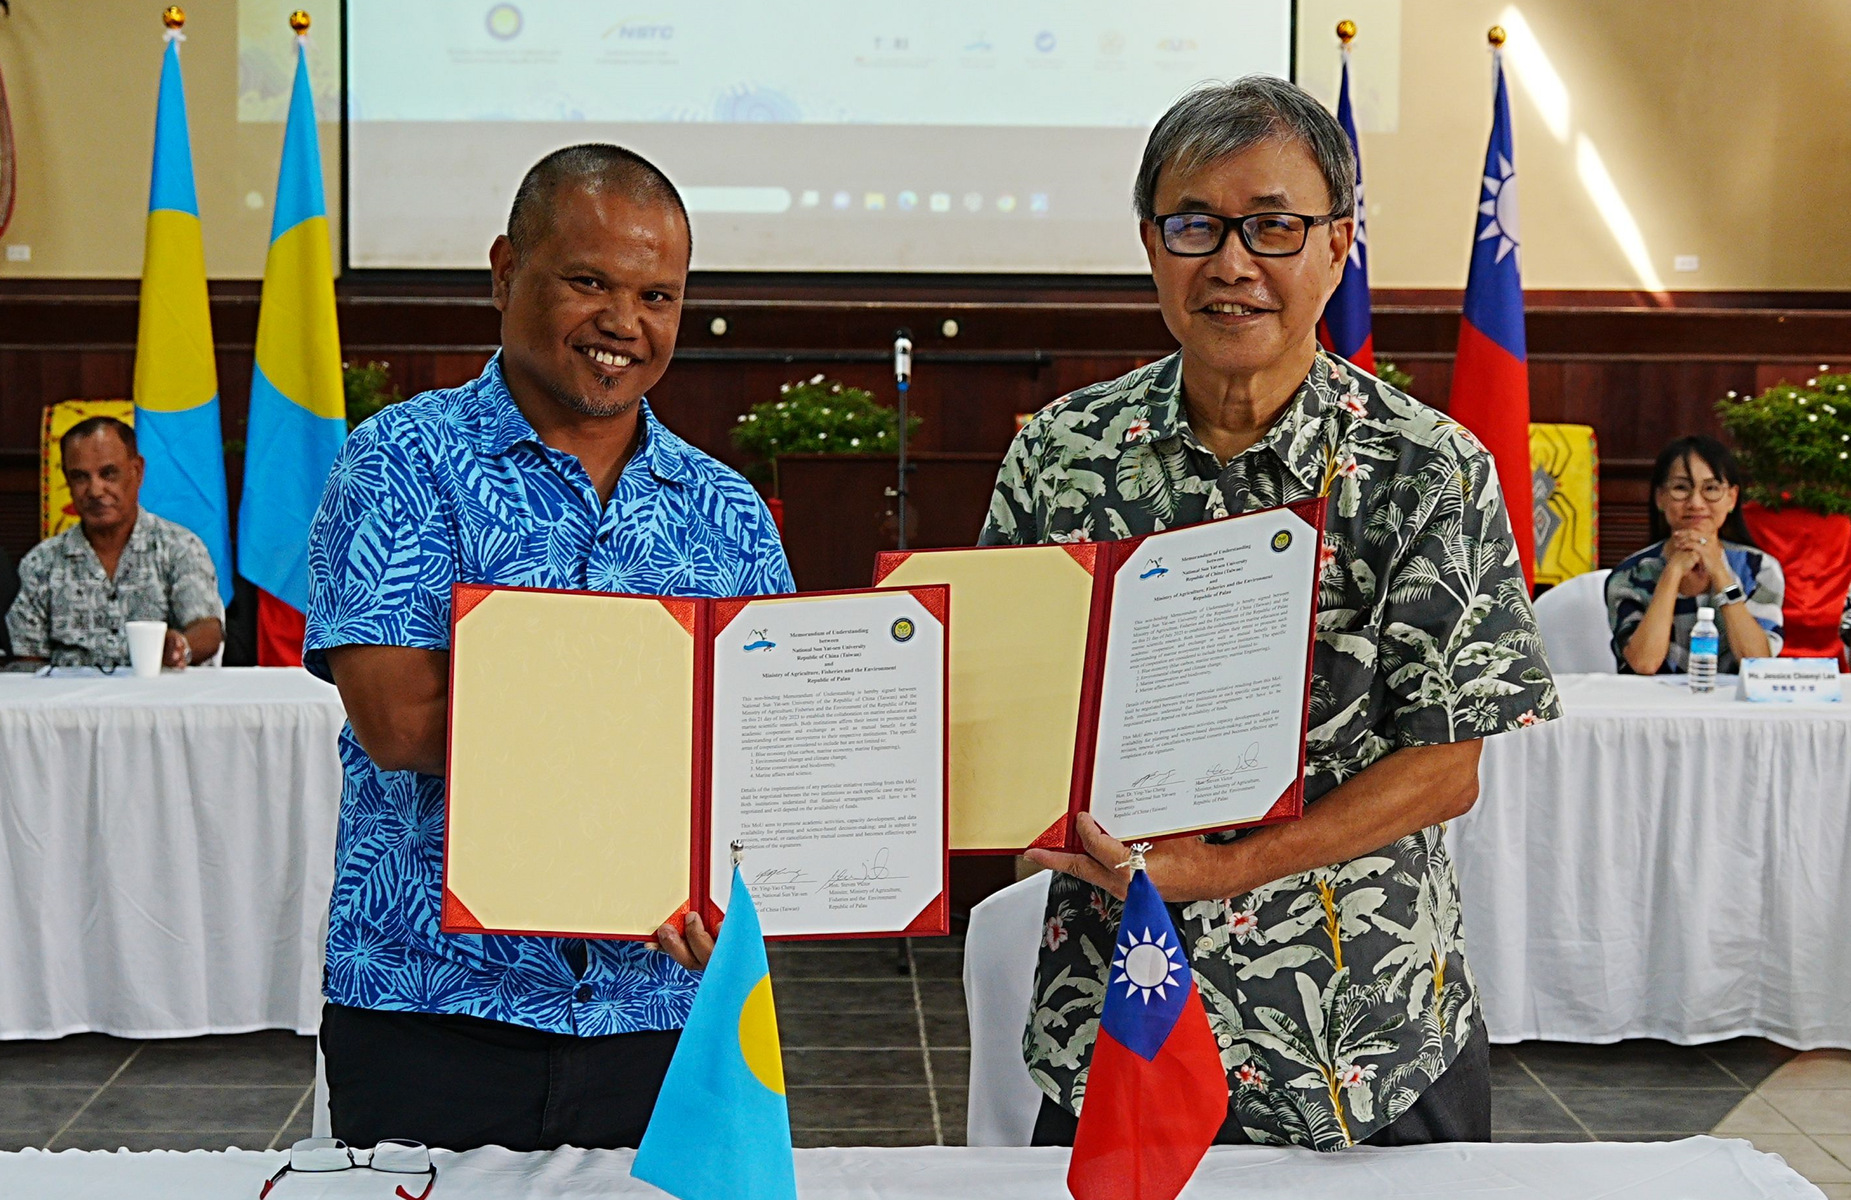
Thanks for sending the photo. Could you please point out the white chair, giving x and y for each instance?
(1573, 618)
(999, 991)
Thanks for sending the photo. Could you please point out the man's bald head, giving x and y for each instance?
(596, 167)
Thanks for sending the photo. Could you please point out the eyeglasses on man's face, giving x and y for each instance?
(1266, 234)
(1681, 490)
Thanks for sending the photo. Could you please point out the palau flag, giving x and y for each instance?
(1345, 329)
(1156, 1093)
(1491, 376)
(721, 1129)
(176, 380)
(298, 411)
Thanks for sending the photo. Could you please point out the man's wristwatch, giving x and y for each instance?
(1733, 594)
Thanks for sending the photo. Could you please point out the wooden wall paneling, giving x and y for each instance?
(1639, 374)
(838, 516)
(1768, 374)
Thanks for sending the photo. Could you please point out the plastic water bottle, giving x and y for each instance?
(1701, 664)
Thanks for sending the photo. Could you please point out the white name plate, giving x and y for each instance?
(1790, 681)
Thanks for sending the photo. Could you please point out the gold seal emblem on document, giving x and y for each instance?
(903, 629)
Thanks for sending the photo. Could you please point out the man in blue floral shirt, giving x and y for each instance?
(549, 470)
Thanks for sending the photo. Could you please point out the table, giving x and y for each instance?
(166, 851)
(1658, 864)
(1693, 1169)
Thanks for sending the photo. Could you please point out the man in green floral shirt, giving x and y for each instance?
(1329, 950)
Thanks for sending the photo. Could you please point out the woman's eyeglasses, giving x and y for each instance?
(1711, 490)
(1267, 234)
(393, 1156)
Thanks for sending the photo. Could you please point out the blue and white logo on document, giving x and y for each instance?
(1155, 569)
(759, 642)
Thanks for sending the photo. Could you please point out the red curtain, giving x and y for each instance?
(1814, 551)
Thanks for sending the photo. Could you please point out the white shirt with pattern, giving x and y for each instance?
(69, 610)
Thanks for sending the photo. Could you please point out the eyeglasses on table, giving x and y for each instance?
(393, 1156)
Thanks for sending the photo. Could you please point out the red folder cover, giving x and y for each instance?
(705, 620)
(1103, 560)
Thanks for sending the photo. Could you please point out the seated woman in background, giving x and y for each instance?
(1653, 597)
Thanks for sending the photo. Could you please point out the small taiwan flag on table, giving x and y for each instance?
(1156, 1093)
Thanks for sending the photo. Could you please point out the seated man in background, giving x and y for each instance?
(9, 588)
(79, 590)
(547, 470)
(1329, 950)
(1652, 597)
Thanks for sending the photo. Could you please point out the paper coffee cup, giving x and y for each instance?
(147, 643)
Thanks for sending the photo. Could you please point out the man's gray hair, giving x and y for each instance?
(1219, 119)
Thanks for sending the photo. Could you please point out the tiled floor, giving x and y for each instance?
(1802, 1112)
(91, 1092)
(876, 1052)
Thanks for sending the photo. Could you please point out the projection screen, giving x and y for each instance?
(812, 135)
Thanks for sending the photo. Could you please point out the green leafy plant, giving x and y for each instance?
(1394, 376)
(1794, 443)
(818, 416)
(368, 388)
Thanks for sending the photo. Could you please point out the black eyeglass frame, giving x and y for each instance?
(1239, 224)
(1669, 488)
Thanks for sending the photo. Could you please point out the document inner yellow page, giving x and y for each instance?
(571, 727)
(1018, 652)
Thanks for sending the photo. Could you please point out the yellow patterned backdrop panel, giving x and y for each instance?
(55, 512)
(1565, 480)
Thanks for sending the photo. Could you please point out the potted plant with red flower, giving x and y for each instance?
(1794, 442)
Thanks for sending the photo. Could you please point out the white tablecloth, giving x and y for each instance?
(1658, 864)
(1693, 1169)
(166, 851)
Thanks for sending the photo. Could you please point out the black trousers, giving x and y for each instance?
(1456, 1107)
(461, 1082)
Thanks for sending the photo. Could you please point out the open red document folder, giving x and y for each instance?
(607, 750)
(1160, 682)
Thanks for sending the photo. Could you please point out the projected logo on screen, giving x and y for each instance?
(642, 29)
(504, 22)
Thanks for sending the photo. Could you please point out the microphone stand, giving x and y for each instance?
(903, 376)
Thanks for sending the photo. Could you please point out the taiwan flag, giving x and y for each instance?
(1156, 1093)
(1491, 380)
(1345, 329)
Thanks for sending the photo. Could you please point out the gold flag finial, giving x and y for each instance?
(1495, 36)
(1346, 29)
(299, 21)
(173, 16)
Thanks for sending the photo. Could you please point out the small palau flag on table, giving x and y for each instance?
(176, 377)
(721, 1129)
(1156, 1092)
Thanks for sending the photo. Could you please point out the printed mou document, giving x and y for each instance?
(1159, 682)
(829, 761)
(606, 752)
